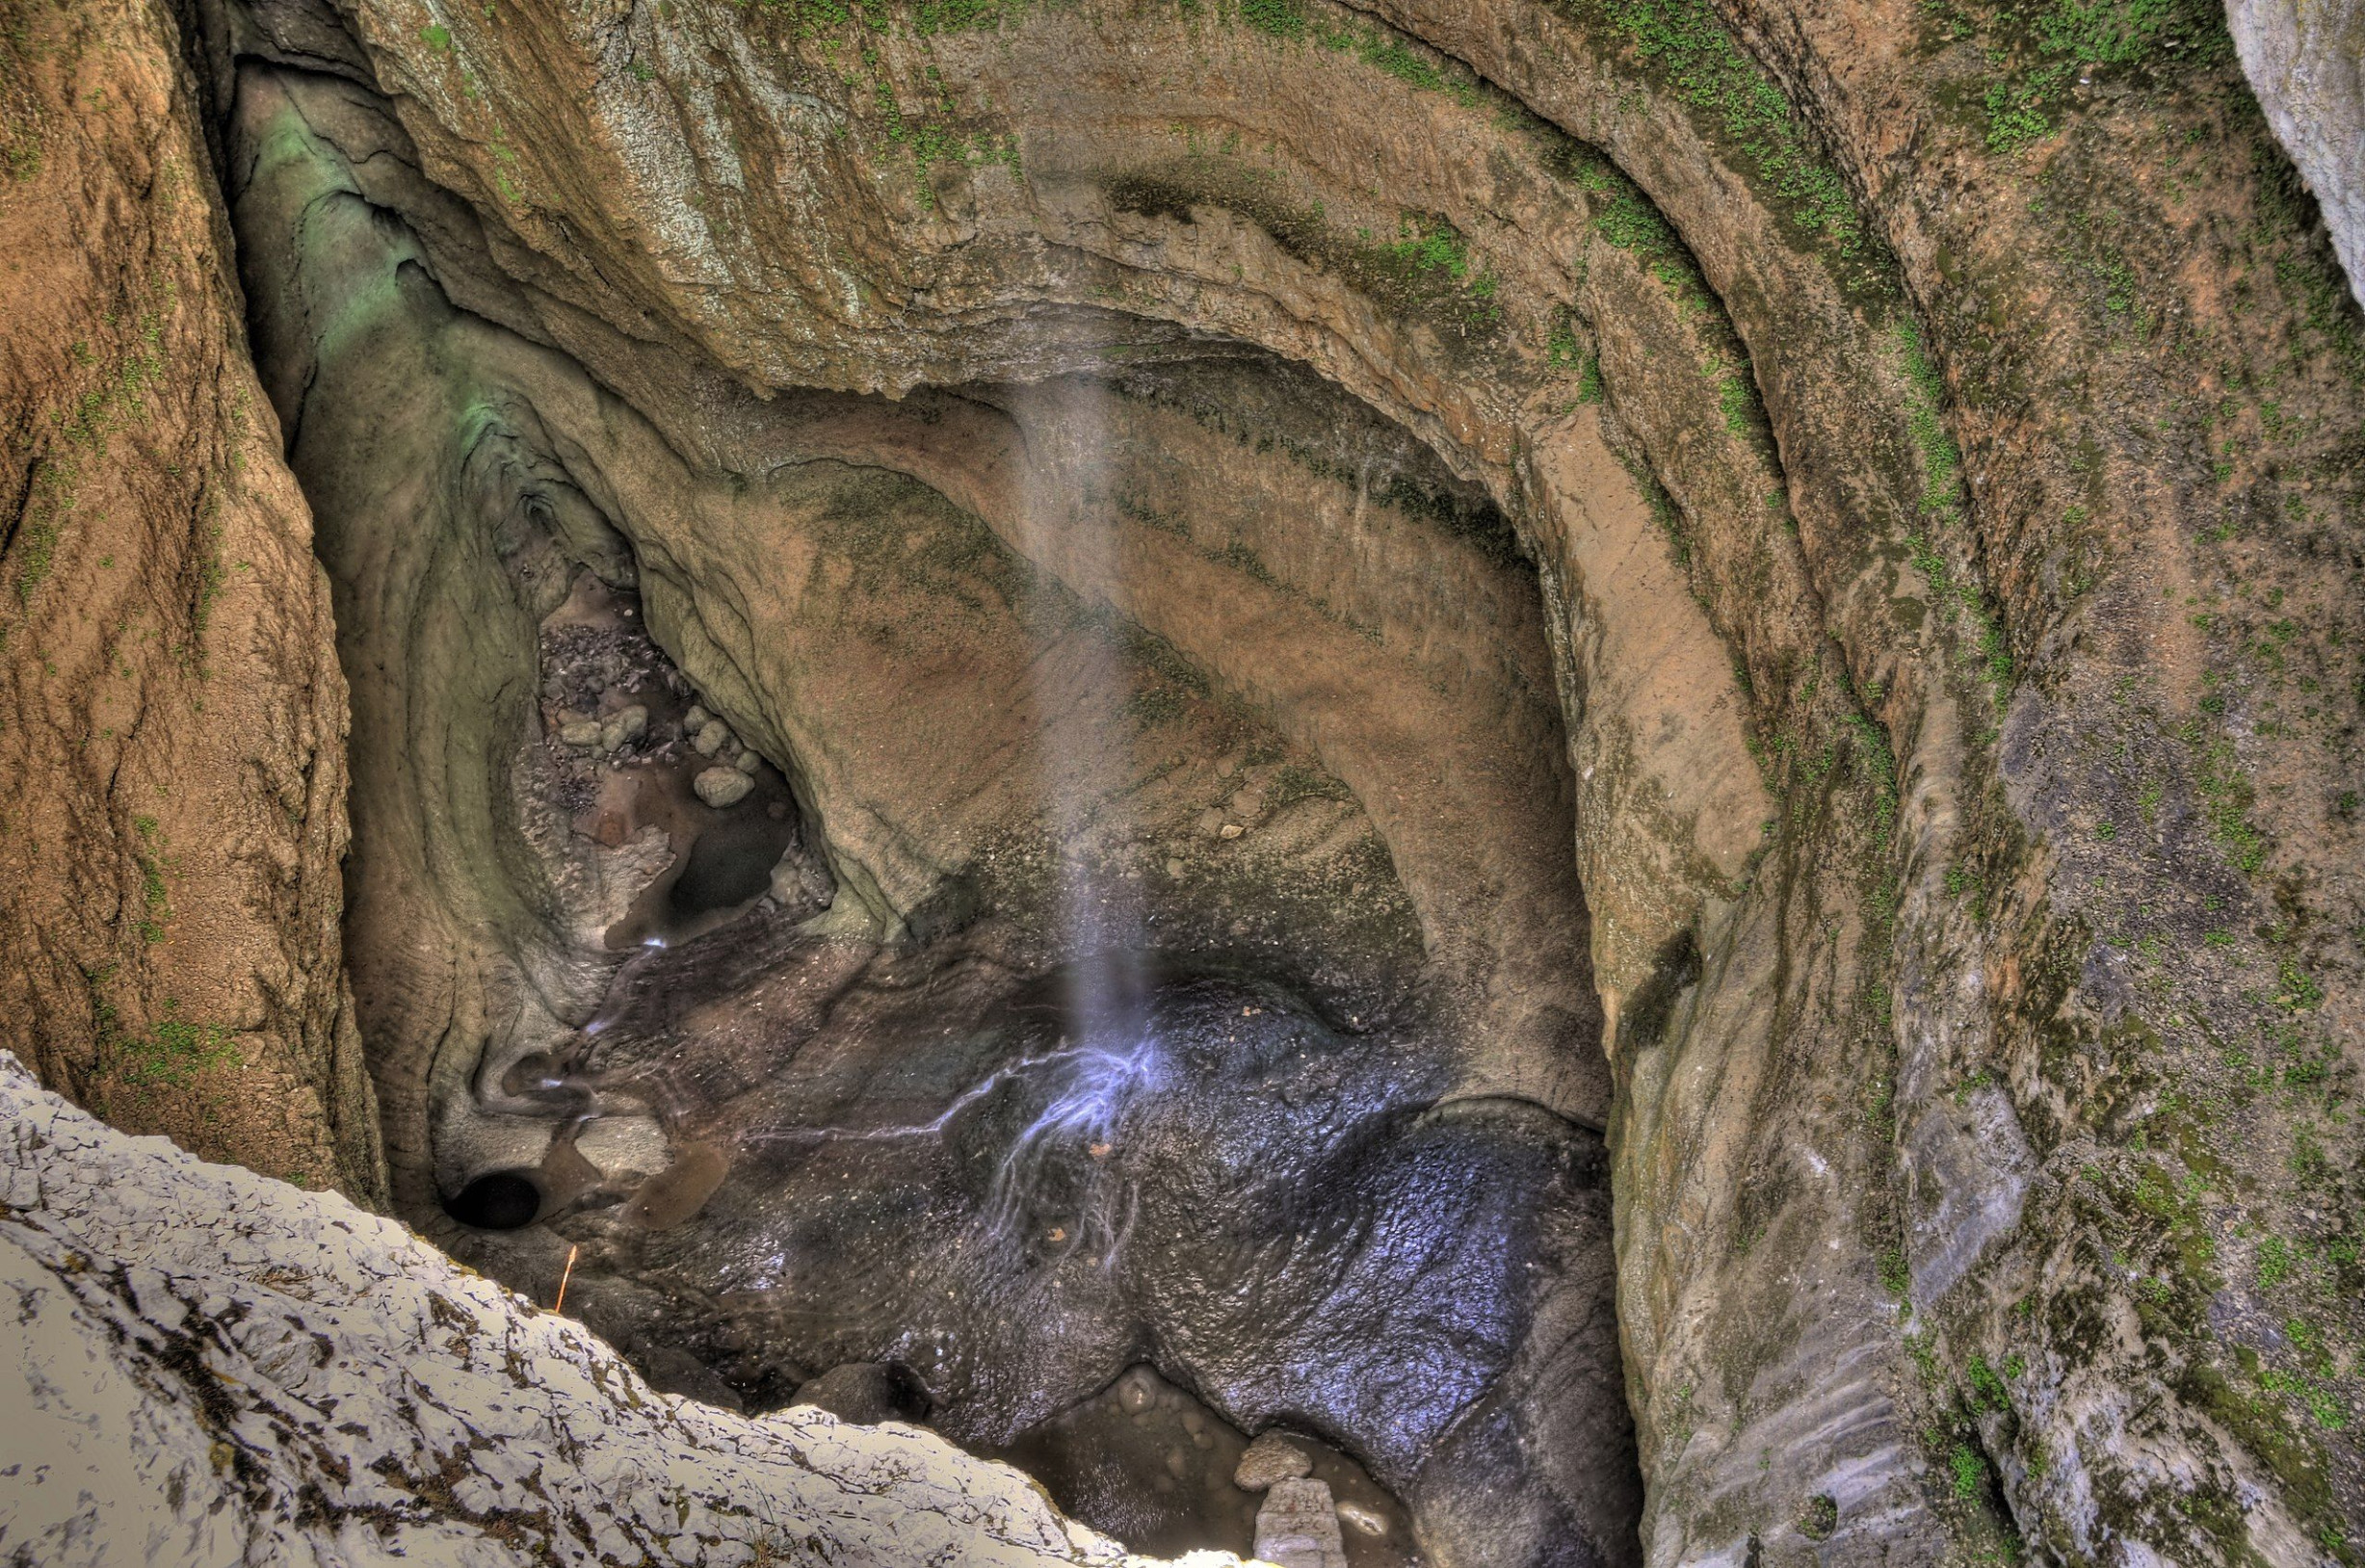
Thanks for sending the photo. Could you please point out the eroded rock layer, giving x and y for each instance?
(1771, 580)
(1138, 892)
(172, 714)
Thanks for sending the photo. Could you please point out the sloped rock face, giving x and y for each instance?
(1234, 764)
(212, 1367)
(2307, 63)
(172, 714)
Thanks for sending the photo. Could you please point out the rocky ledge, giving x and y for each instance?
(220, 1368)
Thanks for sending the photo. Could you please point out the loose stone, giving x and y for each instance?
(721, 787)
(1298, 1528)
(624, 727)
(1271, 1459)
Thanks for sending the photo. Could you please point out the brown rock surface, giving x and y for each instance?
(1997, 462)
(1271, 1459)
(1811, 544)
(171, 716)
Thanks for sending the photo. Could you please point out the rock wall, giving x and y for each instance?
(172, 712)
(1974, 913)
(214, 1368)
(2307, 65)
(1934, 429)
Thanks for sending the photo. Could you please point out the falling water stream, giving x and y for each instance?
(1099, 1209)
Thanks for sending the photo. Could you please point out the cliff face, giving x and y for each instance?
(1796, 564)
(172, 717)
(230, 1372)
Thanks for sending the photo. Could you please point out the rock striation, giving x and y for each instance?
(1767, 588)
(173, 716)
(210, 1367)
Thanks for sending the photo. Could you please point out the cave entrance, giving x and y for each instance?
(1045, 908)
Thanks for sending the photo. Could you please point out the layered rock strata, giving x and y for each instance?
(1933, 429)
(172, 712)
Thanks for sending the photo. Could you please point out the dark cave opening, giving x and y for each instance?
(499, 1200)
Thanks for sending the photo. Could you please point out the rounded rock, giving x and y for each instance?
(1135, 1393)
(624, 727)
(1269, 1461)
(712, 736)
(721, 787)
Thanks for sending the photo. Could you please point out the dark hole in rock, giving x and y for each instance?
(499, 1200)
(730, 863)
(868, 1392)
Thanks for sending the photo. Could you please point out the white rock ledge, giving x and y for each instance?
(2305, 59)
(212, 1367)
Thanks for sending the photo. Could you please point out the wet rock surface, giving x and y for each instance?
(1821, 643)
(1003, 1083)
(1297, 1527)
(210, 1368)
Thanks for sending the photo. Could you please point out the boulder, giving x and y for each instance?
(721, 787)
(1297, 1527)
(1271, 1458)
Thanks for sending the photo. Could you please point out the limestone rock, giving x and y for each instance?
(712, 736)
(1298, 1528)
(747, 761)
(721, 787)
(1271, 1459)
(626, 1146)
(209, 1367)
(173, 761)
(2305, 59)
(624, 727)
(1685, 627)
(582, 733)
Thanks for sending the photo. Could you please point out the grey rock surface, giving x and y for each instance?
(210, 1367)
(1297, 1527)
(1271, 1459)
(2305, 59)
(721, 787)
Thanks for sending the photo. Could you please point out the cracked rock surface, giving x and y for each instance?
(210, 1367)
